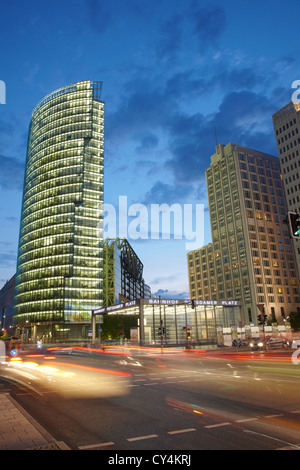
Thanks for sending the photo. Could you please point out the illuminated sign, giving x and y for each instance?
(134, 303)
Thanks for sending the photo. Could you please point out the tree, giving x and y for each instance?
(295, 320)
(115, 326)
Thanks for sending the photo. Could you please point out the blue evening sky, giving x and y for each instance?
(173, 71)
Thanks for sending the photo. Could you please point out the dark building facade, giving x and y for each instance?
(6, 305)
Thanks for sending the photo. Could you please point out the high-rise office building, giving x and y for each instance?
(287, 132)
(6, 306)
(60, 256)
(251, 258)
(123, 273)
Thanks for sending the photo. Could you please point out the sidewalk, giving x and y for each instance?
(19, 431)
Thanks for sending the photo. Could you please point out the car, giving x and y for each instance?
(257, 344)
(277, 343)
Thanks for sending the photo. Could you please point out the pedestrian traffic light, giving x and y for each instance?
(294, 224)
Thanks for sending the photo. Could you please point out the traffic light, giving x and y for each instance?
(294, 224)
(164, 331)
(259, 319)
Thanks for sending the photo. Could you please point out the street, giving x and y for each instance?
(137, 399)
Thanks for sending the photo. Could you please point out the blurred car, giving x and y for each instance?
(257, 344)
(277, 343)
(12, 343)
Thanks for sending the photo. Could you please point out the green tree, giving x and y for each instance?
(295, 320)
(115, 326)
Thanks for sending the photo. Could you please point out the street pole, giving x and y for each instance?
(161, 336)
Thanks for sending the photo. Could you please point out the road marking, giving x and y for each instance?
(94, 446)
(245, 420)
(179, 431)
(273, 416)
(140, 438)
(217, 425)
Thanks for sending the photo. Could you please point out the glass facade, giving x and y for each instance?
(179, 321)
(60, 256)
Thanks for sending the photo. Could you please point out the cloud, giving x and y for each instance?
(170, 43)
(166, 294)
(8, 257)
(11, 173)
(191, 141)
(99, 16)
(148, 142)
(148, 107)
(209, 25)
(244, 118)
(162, 193)
(187, 84)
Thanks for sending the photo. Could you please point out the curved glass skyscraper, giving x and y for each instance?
(59, 271)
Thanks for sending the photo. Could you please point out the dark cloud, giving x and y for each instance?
(209, 24)
(147, 142)
(170, 43)
(244, 118)
(99, 15)
(187, 84)
(8, 257)
(191, 141)
(162, 193)
(238, 79)
(139, 112)
(11, 173)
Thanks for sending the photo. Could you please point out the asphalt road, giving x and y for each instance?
(177, 401)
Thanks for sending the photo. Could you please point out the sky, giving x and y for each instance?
(179, 77)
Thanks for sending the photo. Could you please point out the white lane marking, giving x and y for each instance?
(140, 438)
(217, 425)
(179, 431)
(95, 446)
(272, 416)
(245, 420)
